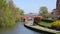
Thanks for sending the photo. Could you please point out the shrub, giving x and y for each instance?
(56, 24)
(18, 19)
(47, 20)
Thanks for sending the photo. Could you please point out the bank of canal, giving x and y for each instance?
(19, 28)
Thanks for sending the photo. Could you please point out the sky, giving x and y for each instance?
(32, 6)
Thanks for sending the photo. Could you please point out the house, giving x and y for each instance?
(54, 14)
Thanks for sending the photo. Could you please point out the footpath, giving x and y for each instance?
(43, 29)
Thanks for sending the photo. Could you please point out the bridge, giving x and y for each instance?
(30, 19)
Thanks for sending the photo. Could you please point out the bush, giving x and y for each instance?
(6, 21)
(47, 20)
(56, 24)
(18, 19)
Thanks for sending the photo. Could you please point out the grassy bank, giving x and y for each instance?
(45, 24)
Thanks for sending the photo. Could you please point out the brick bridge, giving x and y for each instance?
(31, 18)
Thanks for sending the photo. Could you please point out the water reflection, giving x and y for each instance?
(18, 29)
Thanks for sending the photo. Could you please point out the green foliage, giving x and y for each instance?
(18, 19)
(16, 11)
(43, 11)
(56, 24)
(47, 24)
(21, 12)
(8, 13)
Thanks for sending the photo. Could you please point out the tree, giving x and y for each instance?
(21, 12)
(6, 15)
(43, 11)
(16, 11)
(9, 13)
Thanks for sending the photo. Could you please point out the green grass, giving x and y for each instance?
(45, 24)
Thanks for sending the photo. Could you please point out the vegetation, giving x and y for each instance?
(56, 24)
(47, 20)
(43, 11)
(16, 11)
(8, 13)
(45, 24)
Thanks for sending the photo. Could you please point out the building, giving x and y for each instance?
(58, 4)
(56, 12)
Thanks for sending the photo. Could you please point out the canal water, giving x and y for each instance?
(18, 29)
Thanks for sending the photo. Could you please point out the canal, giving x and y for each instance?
(19, 28)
